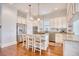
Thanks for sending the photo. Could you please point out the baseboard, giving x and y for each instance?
(8, 44)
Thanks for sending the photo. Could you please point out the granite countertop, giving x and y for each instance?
(62, 32)
(72, 38)
(40, 33)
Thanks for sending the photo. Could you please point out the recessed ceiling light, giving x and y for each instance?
(56, 9)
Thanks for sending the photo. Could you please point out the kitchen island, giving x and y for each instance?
(59, 37)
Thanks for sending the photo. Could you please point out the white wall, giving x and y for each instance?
(9, 17)
(0, 25)
(76, 27)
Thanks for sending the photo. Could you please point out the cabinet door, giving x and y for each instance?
(40, 26)
(52, 24)
(46, 25)
(60, 23)
(23, 20)
(19, 19)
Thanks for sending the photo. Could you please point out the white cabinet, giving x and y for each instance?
(35, 23)
(40, 26)
(43, 25)
(52, 24)
(21, 17)
(58, 22)
(21, 20)
(46, 25)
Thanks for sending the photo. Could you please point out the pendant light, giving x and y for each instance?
(30, 15)
(38, 19)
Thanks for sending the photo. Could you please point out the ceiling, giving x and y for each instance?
(44, 8)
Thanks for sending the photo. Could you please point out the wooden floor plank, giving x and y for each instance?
(18, 50)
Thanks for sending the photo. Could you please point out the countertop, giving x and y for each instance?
(63, 33)
(40, 33)
(72, 38)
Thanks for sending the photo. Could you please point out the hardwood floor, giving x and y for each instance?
(18, 50)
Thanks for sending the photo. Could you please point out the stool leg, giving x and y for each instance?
(23, 42)
(28, 44)
(34, 44)
(40, 48)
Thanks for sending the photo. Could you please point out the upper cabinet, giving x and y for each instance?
(21, 20)
(40, 26)
(43, 25)
(52, 24)
(46, 25)
(58, 22)
(21, 17)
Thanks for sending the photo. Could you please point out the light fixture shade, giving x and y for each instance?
(31, 18)
(30, 15)
(38, 19)
(56, 9)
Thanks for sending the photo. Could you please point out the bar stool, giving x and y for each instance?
(41, 42)
(23, 39)
(30, 41)
(37, 43)
(27, 38)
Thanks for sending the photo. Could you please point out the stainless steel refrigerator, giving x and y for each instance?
(21, 29)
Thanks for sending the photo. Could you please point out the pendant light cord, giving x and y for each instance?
(38, 10)
(30, 10)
